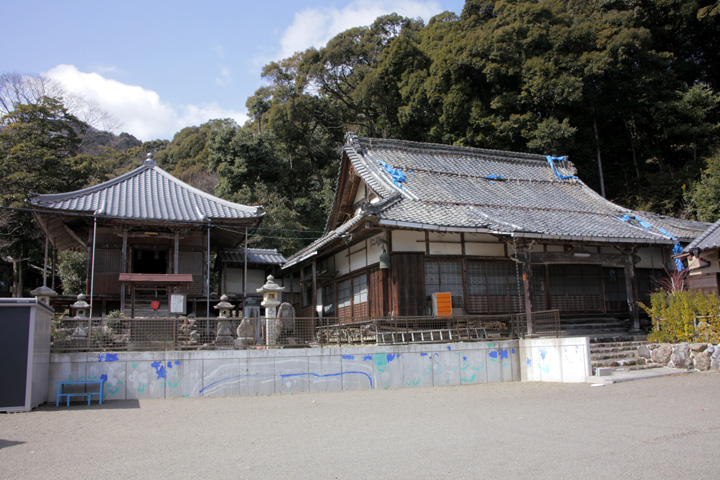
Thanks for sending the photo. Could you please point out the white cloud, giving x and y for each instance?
(314, 27)
(140, 112)
(224, 78)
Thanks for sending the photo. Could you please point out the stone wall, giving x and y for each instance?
(698, 356)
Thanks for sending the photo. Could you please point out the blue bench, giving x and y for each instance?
(61, 394)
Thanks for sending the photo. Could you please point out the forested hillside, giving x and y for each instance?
(625, 88)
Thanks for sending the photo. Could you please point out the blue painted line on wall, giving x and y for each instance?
(107, 357)
(327, 375)
(348, 357)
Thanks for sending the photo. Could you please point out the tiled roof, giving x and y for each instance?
(329, 237)
(457, 189)
(236, 256)
(147, 193)
(710, 238)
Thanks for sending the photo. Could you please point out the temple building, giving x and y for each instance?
(502, 232)
(149, 238)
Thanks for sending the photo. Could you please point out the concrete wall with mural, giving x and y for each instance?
(565, 360)
(171, 374)
(139, 375)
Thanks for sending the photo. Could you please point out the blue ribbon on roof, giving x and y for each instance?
(490, 178)
(397, 175)
(551, 160)
(677, 248)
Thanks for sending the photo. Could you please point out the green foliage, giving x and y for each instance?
(39, 145)
(705, 197)
(72, 268)
(685, 316)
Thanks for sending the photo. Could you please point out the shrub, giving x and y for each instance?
(684, 317)
(72, 268)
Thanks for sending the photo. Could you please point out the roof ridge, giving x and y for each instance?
(439, 147)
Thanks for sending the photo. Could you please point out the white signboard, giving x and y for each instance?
(178, 303)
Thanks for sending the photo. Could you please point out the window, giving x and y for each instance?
(445, 277)
(328, 293)
(343, 295)
(359, 289)
(352, 297)
(493, 288)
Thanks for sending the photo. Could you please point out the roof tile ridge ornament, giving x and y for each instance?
(149, 161)
(372, 209)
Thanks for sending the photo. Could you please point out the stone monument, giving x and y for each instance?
(285, 324)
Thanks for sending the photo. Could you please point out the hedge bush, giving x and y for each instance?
(690, 316)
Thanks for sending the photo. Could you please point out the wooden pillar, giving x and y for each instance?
(176, 253)
(123, 268)
(525, 259)
(54, 266)
(314, 289)
(631, 289)
(45, 264)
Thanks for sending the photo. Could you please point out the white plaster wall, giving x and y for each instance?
(358, 260)
(485, 249)
(650, 257)
(444, 237)
(564, 360)
(174, 374)
(375, 249)
(342, 264)
(437, 248)
(408, 241)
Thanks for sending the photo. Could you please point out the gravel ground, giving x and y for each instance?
(655, 428)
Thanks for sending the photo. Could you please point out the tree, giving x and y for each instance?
(17, 89)
(38, 153)
(705, 196)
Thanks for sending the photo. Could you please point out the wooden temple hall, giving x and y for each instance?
(500, 232)
(149, 238)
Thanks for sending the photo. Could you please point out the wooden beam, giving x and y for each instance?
(581, 257)
(73, 235)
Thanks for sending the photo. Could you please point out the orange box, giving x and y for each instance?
(442, 304)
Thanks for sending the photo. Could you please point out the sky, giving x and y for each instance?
(158, 66)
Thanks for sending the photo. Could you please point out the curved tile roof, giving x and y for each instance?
(710, 238)
(147, 193)
(457, 188)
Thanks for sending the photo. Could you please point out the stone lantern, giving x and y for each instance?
(271, 299)
(43, 294)
(224, 328)
(81, 307)
(224, 307)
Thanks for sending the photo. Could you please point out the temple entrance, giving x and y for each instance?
(150, 261)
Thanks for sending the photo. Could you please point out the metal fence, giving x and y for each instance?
(545, 323)
(138, 334)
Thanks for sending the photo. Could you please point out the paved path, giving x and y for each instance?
(666, 427)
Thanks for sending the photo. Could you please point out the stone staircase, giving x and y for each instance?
(620, 353)
(594, 326)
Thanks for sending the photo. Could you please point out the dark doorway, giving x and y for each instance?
(150, 261)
